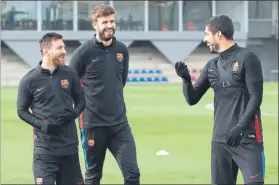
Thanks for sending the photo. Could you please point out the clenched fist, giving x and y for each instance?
(182, 70)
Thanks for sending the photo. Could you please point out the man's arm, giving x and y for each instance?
(24, 100)
(193, 94)
(77, 95)
(254, 84)
(77, 60)
(125, 67)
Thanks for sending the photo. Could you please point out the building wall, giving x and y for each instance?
(167, 24)
(175, 28)
(131, 15)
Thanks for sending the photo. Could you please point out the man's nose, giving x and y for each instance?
(204, 40)
(64, 51)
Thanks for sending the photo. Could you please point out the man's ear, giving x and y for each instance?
(94, 24)
(219, 35)
(44, 51)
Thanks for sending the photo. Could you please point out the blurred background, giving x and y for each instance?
(158, 33)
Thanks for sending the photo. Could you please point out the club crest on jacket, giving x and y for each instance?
(39, 181)
(235, 66)
(91, 142)
(119, 57)
(65, 83)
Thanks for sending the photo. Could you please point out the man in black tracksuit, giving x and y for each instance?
(49, 90)
(237, 80)
(102, 64)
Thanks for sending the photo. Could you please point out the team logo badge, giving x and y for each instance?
(235, 66)
(65, 83)
(91, 142)
(39, 181)
(119, 57)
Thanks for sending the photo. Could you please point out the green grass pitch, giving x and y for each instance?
(160, 119)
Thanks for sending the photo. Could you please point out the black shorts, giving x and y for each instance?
(50, 169)
(119, 140)
(249, 158)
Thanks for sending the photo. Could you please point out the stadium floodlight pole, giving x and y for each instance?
(213, 3)
(75, 15)
(39, 15)
(146, 15)
(246, 17)
(180, 16)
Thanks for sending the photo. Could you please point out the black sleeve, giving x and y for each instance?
(24, 100)
(193, 94)
(77, 95)
(254, 84)
(78, 59)
(125, 67)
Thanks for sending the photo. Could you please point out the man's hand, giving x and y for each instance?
(182, 70)
(234, 136)
(68, 116)
(48, 126)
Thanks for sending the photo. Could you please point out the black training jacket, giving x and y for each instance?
(103, 71)
(237, 80)
(47, 95)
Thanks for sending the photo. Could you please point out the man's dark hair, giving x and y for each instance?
(221, 23)
(48, 38)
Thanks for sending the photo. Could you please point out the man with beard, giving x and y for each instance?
(237, 80)
(102, 64)
(49, 90)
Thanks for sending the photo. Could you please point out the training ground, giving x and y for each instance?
(160, 120)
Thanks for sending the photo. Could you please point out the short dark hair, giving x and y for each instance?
(102, 10)
(221, 23)
(48, 38)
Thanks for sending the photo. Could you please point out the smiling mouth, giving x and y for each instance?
(61, 57)
(61, 60)
(109, 31)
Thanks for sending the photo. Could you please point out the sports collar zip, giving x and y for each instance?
(101, 44)
(46, 71)
(228, 52)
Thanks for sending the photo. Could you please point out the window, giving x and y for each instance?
(230, 8)
(19, 15)
(195, 14)
(163, 15)
(130, 15)
(57, 15)
(260, 9)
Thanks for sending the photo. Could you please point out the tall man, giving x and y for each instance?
(49, 90)
(102, 64)
(237, 80)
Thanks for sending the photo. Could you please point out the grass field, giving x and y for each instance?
(160, 119)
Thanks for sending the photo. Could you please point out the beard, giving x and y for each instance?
(106, 37)
(58, 60)
(213, 47)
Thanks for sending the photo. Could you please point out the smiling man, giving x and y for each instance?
(102, 64)
(237, 80)
(49, 90)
